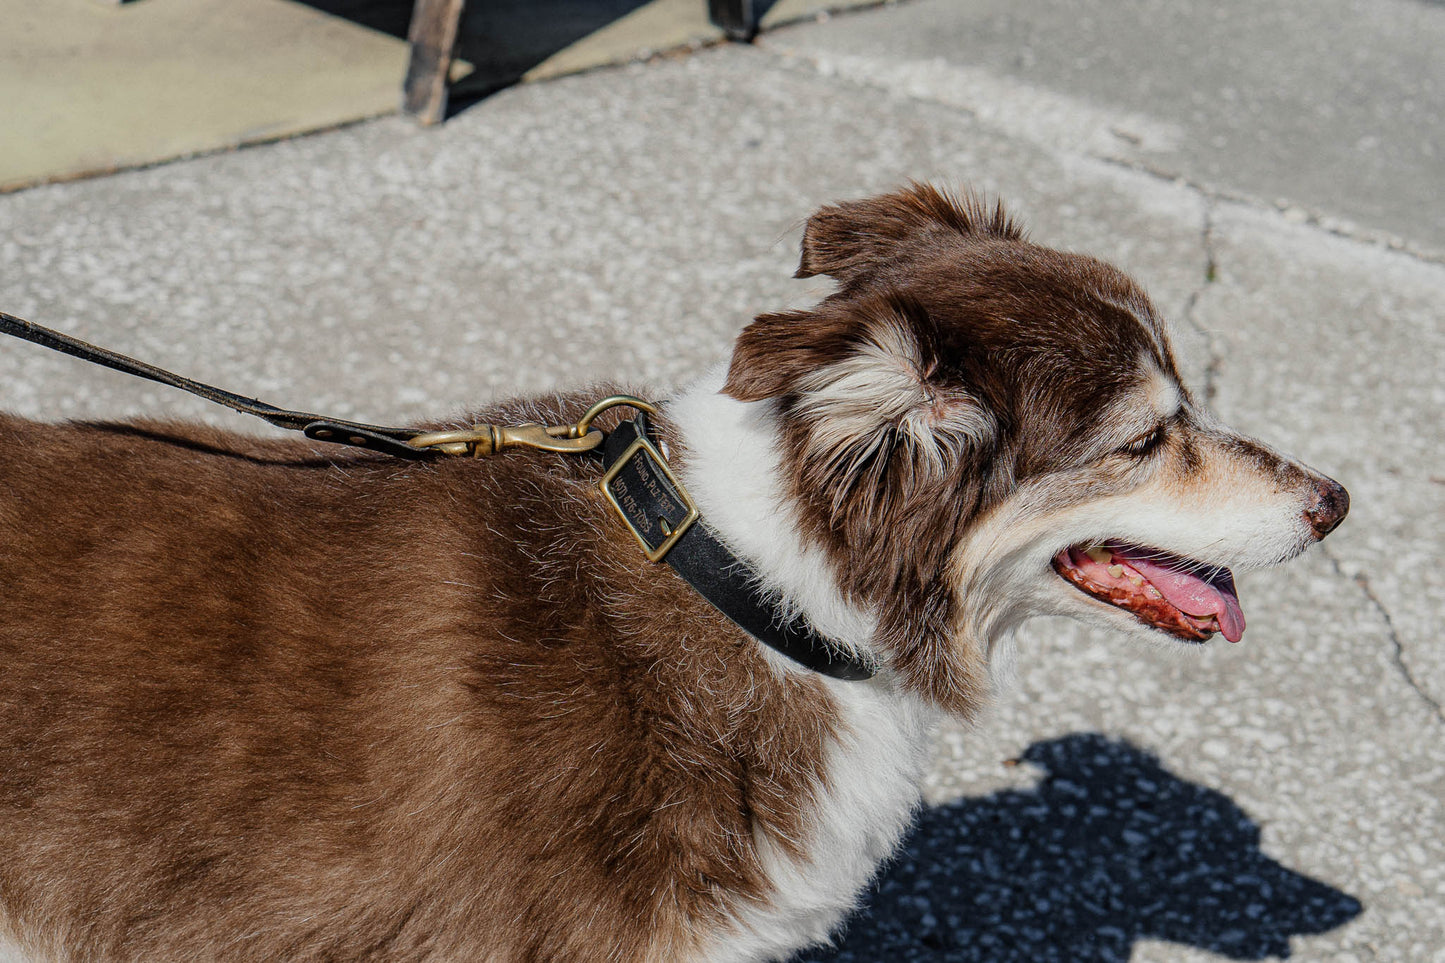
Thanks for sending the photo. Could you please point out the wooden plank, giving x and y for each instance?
(433, 39)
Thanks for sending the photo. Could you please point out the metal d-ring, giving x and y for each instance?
(611, 401)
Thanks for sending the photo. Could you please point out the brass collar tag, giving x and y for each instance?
(650, 500)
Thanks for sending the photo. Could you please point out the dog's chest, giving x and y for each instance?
(872, 783)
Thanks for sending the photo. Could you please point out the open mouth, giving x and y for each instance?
(1187, 599)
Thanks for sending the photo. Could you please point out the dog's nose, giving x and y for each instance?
(1330, 505)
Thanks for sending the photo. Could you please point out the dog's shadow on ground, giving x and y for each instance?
(1108, 849)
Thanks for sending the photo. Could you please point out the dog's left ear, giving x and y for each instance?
(886, 452)
(856, 367)
(773, 355)
(862, 377)
(850, 240)
(887, 449)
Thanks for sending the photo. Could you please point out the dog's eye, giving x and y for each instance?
(1144, 444)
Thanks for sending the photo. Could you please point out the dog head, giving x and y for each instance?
(979, 430)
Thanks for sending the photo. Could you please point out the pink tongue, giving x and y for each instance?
(1187, 591)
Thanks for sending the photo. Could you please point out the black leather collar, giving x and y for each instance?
(651, 504)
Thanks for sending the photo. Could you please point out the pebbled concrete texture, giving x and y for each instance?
(1369, 337)
(411, 250)
(1119, 801)
(1331, 106)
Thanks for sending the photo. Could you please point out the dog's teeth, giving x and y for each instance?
(1136, 579)
(1153, 592)
(1100, 554)
(1116, 570)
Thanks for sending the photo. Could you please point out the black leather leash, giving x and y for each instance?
(393, 441)
(636, 480)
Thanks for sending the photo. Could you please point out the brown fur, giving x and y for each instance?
(264, 718)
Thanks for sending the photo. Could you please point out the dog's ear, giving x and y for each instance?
(777, 351)
(876, 413)
(887, 451)
(851, 239)
(857, 368)
(884, 418)
(894, 450)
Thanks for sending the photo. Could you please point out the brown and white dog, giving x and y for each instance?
(260, 702)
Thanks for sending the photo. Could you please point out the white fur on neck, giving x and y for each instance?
(874, 769)
(733, 472)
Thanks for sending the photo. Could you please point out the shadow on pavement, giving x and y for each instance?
(502, 39)
(1108, 849)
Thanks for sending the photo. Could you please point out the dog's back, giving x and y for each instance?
(307, 708)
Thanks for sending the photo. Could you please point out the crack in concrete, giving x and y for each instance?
(1212, 194)
(1398, 644)
(1190, 317)
(1317, 220)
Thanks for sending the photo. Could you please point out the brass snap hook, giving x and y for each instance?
(480, 440)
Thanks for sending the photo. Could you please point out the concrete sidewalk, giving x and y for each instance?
(1238, 802)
